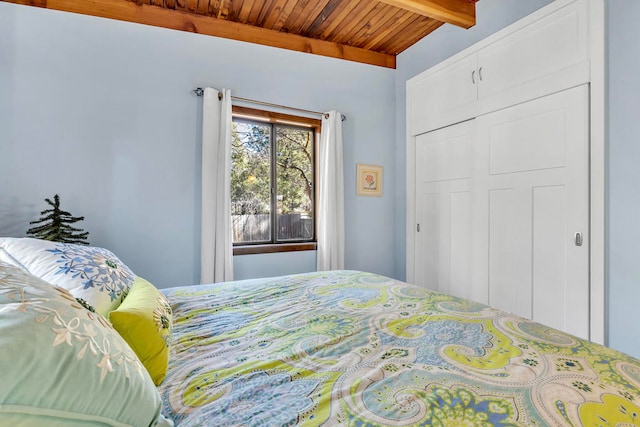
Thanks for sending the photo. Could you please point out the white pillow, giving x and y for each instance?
(88, 272)
(61, 364)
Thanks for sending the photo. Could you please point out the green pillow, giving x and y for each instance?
(144, 320)
(61, 364)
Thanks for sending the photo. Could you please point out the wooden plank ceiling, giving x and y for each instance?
(367, 31)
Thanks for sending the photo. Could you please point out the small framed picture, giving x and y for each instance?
(369, 180)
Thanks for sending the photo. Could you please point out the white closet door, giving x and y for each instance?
(444, 165)
(530, 198)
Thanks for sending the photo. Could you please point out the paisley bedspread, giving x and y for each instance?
(358, 349)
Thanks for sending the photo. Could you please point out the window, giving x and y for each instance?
(273, 159)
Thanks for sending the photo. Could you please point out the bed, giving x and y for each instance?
(356, 349)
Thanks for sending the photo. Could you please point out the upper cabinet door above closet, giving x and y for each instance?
(548, 52)
(550, 45)
(448, 93)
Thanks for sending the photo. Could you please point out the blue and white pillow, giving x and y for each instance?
(88, 272)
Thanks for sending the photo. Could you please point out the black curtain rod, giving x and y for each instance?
(199, 91)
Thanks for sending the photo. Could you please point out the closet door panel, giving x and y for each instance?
(443, 243)
(428, 239)
(549, 257)
(529, 144)
(460, 250)
(509, 251)
(533, 203)
(444, 162)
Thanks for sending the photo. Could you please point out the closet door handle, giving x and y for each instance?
(480, 73)
(473, 76)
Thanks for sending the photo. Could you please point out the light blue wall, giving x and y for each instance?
(491, 16)
(268, 265)
(623, 175)
(101, 111)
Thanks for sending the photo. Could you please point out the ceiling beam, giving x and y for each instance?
(130, 11)
(461, 13)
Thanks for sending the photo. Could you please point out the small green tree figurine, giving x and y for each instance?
(55, 225)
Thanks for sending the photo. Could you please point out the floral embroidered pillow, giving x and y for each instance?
(61, 364)
(93, 274)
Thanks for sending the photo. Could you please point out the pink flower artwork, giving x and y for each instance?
(370, 181)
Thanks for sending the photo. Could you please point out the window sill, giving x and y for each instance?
(269, 249)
